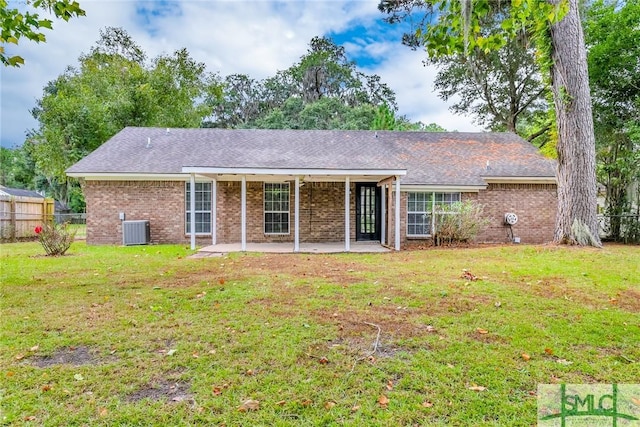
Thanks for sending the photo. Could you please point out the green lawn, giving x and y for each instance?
(131, 336)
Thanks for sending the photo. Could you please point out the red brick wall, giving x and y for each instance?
(321, 211)
(535, 205)
(160, 202)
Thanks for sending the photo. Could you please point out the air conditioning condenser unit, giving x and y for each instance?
(136, 232)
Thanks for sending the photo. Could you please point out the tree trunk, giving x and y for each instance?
(577, 204)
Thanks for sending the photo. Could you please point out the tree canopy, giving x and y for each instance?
(114, 87)
(17, 24)
(324, 75)
(501, 88)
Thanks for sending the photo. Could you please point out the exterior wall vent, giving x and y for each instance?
(136, 232)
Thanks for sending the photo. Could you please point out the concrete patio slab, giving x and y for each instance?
(308, 248)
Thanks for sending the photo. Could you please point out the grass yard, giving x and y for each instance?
(140, 336)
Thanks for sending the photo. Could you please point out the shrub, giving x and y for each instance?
(55, 238)
(461, 222)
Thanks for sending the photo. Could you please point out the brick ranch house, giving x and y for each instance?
(208, 186)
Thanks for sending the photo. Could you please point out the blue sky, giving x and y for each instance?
(256, 37)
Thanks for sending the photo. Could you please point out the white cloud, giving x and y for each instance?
(403, 70)
(251, 37)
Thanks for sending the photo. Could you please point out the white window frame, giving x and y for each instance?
(203, 191)
(434, 209)
(424, 213)
(271, 210)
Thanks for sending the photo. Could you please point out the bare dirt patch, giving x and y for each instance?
(628, 300)
(328, 267)
(76, 356)
(487, 338)
(357, 331)
(557, 288)
(163, 390)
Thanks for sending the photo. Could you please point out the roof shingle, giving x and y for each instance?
(429, 158)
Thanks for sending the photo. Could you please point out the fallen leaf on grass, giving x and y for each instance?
(390, 385)
(10, 374)
(330, 404)
(636, 400)
(217, 390)
(103, 412)
(249, 405)
(526, 357)
(78, 377)
(430, 328)
(34, 348)
(221, 281)
(383, 401)
(281, 402)
(46, 387)
(477, 388)
(323, 361)
(19, 356)
(171, 352)
(482, 331)
(29, 418)
(564, 362)
(548, 351)
(427, 404)
(467, 275)
(306, 402)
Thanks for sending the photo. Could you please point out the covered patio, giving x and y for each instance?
(387, 180)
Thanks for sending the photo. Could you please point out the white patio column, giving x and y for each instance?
(383, 215)
(192, 208)
(397, 224)
(296, 214)
(347, 231)
(243, 214)
(214, 210)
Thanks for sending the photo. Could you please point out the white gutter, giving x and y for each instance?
(295, 172)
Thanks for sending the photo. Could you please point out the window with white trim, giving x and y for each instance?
(422, 209)
(203, 207)
(276, 208)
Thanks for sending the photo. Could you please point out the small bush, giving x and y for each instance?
(55, 238)
(461, 222)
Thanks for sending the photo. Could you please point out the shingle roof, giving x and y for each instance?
(429, 158)
(18, 192)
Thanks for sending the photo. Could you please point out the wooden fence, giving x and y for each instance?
(19, 216)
